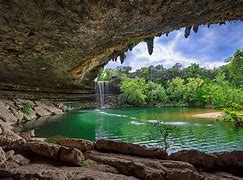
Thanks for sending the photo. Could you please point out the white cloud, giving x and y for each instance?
(165, 54)
(209, 48)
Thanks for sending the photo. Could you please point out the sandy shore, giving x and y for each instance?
(212, 115)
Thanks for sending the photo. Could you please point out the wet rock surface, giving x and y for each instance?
(81, 144)
(130, 149)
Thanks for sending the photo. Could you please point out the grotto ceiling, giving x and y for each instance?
(57, 46)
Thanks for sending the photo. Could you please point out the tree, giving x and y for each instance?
(176, 89)
(156, 93)
(193, 91)
(133, 90)
(235, 66)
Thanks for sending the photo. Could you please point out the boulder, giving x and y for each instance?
(54, 110)
(101, 167)
(41, 111)
(146, 168)
(196, 158)
(130, 149)
(81, 144)
(43, 149)
(19, 115)
(2, 156)
(7, 135)
(9, 154)
(40, 104)
(220, 176)
(71, 155)
(6, 115)
(44, 171)
(19, 159)
(234, 158)
(28, 135)
(30, 116)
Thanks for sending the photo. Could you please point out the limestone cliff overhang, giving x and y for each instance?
(57, 46)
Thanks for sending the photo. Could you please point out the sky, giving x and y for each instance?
(209, 47)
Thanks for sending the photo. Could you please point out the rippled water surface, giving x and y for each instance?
(136, 125)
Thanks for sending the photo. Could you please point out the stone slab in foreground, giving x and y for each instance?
(130, 149)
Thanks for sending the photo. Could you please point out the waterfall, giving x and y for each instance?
(102, 90)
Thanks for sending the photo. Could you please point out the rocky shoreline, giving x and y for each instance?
(23, 156)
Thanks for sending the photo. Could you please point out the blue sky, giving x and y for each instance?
(209, 47)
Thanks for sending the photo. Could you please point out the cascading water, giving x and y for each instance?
(102, 90)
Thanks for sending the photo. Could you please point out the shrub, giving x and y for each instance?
(26, 107)
(85, 164)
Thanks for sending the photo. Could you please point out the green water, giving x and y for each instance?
(136, 125)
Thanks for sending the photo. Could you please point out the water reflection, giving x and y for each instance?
(136, 125)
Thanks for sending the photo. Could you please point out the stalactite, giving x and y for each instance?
(159, 34)
(167, 33)
(130, 47)
(150, 45)
(187, 31)
(195, 28)
(221, 23)
(209, 25)
(122, 57)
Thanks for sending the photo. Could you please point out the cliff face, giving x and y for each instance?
(55, 47)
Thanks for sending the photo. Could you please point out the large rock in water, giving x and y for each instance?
(130, 149)
(81, 144)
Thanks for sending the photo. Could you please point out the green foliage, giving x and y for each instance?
(221, 94)
(105, 75)
(85, 164)
(193, 91)
(235, 66)
(26, 107)
(230, 116)
(176, 89)
(156, 93)
(191, 86)
(165, 131)
(133, 90)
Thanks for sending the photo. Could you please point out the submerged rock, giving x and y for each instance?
(130, 149)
